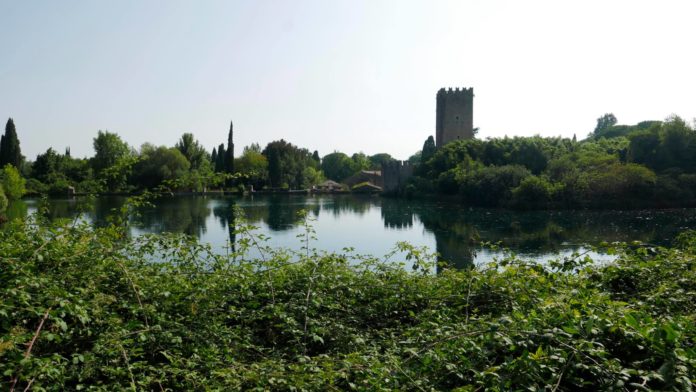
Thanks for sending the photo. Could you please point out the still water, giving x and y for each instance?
(373, 225)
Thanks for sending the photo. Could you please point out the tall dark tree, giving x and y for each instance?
(213, 156)
(9, 146)
(220, 161)
(315, 156)
(229, 153)
(428, 149)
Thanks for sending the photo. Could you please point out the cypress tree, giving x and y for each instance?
(220, 162)
(213, 156)
(429, 149)
(229, 153)
(9, 146)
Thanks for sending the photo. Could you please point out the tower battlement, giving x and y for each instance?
(454, 115)
(456, 92)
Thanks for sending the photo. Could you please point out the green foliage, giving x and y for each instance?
(670, 144)
(108, 150)
(621, 181)
(603, 123)
(12, 182)
(96, 309)
(36, 187)
(229, 153)
(56, 172)
(429, 149)
(3, 200)
(159, 164)
(360, 162)
(377, 160)
(532, 192)
(287, 164)
(193, 151)
(337, 166)
(253, 165)
(10, 153)
(654, 165)
(492, 185)
(219, 166)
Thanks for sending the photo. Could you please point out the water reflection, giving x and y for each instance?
(374, 224)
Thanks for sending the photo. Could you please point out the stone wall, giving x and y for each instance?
(395, 174)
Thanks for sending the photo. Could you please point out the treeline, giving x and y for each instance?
(186, 166)
(650, 164)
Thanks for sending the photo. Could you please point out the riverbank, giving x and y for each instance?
(87, 308)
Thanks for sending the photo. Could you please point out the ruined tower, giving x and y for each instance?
(454, 116)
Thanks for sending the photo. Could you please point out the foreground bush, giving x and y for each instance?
(88, 309)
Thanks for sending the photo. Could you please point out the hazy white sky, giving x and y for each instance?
(336, 75)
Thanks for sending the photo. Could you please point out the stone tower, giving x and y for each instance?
(455, 115)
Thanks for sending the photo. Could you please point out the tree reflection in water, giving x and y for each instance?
(457, 229)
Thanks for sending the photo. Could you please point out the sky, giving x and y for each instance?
(336, 75)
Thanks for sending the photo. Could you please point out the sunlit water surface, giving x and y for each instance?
(373, 225)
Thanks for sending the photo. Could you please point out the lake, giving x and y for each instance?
(373, 225)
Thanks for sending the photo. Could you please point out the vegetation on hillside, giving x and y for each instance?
(94, 309)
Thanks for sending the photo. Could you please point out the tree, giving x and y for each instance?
(10, 152)
(429, 149)
(360, 162)
(219, 166)
(286, 164)
(159, 164)
(213, 156)
(46, 166)
(377, 160)
(192, 150)
(253, 165)
(108, 148)
(229, 153)
(604, 123)
(12, 182)
(337, 166)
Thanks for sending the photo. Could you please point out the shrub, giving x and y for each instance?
(621, 181)
(533, 191)
(492, 186)
(34, 187)
(12, 182)
(3, 200)
(89, 309)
